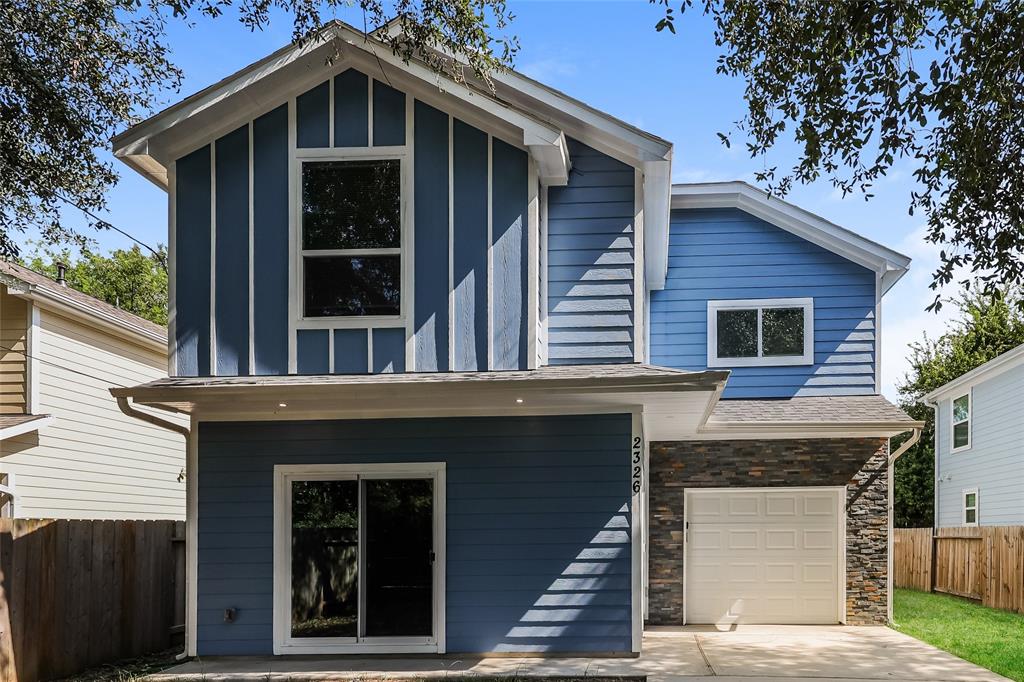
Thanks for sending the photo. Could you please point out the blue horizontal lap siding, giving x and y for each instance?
(721, 254)
(538, 544)
(590, 261)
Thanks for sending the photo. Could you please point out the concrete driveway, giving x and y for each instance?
(753, 652)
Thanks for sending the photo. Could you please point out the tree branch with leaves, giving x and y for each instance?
(864, 84)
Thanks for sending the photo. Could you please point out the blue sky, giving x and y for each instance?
(609, 55)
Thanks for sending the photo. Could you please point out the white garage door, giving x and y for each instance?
(763, 555)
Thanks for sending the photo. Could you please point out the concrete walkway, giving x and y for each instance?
(833, 653)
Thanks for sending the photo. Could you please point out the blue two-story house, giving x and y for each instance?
(466, 374)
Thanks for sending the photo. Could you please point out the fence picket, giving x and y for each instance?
(984, 563)
(74, 594)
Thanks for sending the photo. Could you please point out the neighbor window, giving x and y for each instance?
(962, 422)
(761, 332)
(351, 238)
(971, 507)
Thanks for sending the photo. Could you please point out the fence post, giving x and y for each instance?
(931, 562)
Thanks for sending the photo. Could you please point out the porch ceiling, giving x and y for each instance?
(674, 403)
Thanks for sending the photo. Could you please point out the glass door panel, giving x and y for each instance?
(325, 558)
(399, 557)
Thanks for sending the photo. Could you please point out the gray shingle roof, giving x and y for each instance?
(43, 282)
(9, 420)
(810, 410)
(641, 373)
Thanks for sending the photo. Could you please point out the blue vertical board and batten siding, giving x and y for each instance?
(538, 553)
(723, 254)
(488, 193)
(430, 288)
(192, 268)
(270, 241)
(509, 253)
(994, 464)
(469, 247)
(231, 255)
(351, 109)
(590, 261)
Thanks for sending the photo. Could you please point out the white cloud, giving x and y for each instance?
(694, 175)
(904, 318)
(551, 68)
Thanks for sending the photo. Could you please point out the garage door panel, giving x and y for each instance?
(763, 556)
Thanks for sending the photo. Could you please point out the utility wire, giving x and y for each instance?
(63, 367)
(113, 227)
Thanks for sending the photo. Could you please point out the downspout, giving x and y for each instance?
(915, 436)
(126, 407)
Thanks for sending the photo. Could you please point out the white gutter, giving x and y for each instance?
(915, 436)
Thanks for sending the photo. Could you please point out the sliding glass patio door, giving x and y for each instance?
(359, 551)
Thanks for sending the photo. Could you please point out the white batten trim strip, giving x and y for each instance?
(293, 282)
(213, 258)
(490, 253)
(451, 244)
(252, 257)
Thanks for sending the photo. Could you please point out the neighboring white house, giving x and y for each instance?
(979, 445)
(66, 450)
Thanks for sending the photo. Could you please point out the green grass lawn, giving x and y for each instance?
(991, 638)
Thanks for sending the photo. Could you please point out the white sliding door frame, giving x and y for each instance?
(284, 475)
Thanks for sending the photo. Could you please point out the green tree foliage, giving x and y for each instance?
(860, 85)
(72, 73)
(128, 278)
(986, 328)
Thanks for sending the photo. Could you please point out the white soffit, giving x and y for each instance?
(890, 265)
(150, 146)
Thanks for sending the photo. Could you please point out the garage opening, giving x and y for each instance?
(764, 555)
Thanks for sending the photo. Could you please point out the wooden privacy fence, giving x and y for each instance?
(985, 563)
(74, 594)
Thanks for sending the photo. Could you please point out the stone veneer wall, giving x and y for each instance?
(676, 466)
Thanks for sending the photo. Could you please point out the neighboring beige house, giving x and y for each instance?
(66, 450)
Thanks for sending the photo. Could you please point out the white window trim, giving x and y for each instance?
(969, 421)
(964, 508)
(404, 250)
(283, 477)
(760, 304)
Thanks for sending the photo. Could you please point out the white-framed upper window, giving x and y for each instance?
(960, 427)
(761, 332)
(970, 498)
(350, 237)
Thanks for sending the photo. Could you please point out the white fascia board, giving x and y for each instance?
(657, 216)
(891, 265)
(26, 427)
(992, 368)
(546, 142)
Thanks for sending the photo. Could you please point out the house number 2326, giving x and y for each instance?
(637, 463)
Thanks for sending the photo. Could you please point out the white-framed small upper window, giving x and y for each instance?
(970, 497)
(350, 237)
(960, 429)
(761, 332)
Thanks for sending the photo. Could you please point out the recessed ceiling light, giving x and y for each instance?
(519, 401)
(282, 404)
